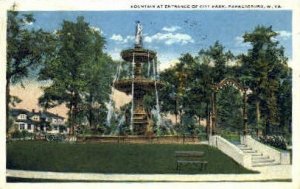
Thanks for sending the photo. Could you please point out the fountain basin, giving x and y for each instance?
(140, 85)
(140, 55)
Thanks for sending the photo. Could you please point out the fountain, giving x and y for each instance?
(141, 120)
(138, 85)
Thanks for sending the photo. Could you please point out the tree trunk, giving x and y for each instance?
(267, 130)
(75, 112)
(258, 120)
(7, 103)
(91, 112)
(71, 119)
(199, 120)
(176, 111)
(207, 120)
(180, 117)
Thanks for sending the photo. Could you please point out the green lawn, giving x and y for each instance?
(113, 158)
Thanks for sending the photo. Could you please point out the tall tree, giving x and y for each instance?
(26, 50)
(76, 72)
(262, 67)
(213, 68)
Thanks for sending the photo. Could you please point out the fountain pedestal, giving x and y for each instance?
(141, 123)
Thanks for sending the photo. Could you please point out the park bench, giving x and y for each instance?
(189, 157)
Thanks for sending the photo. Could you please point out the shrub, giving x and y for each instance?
(17, 134)
(276, 141)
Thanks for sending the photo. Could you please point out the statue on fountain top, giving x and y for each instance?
(138, 35)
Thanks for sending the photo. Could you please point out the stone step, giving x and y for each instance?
(245, 148)
(263, 161)
(241, 145)
(139, 118)
(249, 151)
(139, 122)
(257, 158)
(261, 164)
(260, 157)
(256, 155)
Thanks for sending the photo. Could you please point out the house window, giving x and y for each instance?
(22, 126)
(22, 116)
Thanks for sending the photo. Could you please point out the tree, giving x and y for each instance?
(169, 93)
(213, 67)
(218, 58)
(229, 108)
(26, 50)
(284, 95)
(79, 73)
(98, 75)
(262, 69)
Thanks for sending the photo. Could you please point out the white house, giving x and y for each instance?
(33, 121)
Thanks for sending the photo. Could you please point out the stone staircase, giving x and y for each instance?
(258, 158)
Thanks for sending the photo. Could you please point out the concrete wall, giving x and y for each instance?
(140, 139)
(231, 150)
(279, 156)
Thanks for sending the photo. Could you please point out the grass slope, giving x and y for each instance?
(113, 158)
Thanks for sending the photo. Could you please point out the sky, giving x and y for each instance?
(172, 33)
(169, 33)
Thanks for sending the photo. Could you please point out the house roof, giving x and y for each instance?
(44, 114)
(49, 114)
(16, 112)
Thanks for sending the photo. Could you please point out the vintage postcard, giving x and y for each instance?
(149, 94)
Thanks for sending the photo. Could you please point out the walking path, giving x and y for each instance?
(277, 172)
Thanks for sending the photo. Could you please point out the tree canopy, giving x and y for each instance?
(80, 73)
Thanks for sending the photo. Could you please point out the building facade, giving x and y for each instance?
(38, 121)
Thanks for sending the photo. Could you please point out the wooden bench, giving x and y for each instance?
(189, 157)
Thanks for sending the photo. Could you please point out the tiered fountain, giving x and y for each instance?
(138, 85)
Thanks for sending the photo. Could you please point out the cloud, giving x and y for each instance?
(116, 37)
(284, 35)
(97, 29)
(29, 23)
(170, 38)
(168, 64)
(171, 29)
(115, 53)
(120, 39)
(239, 41)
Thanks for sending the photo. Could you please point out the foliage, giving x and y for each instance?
(229, 106)
(26, 50)
(74, 72)
(22, 134)
(276, 141)
(263, 68)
